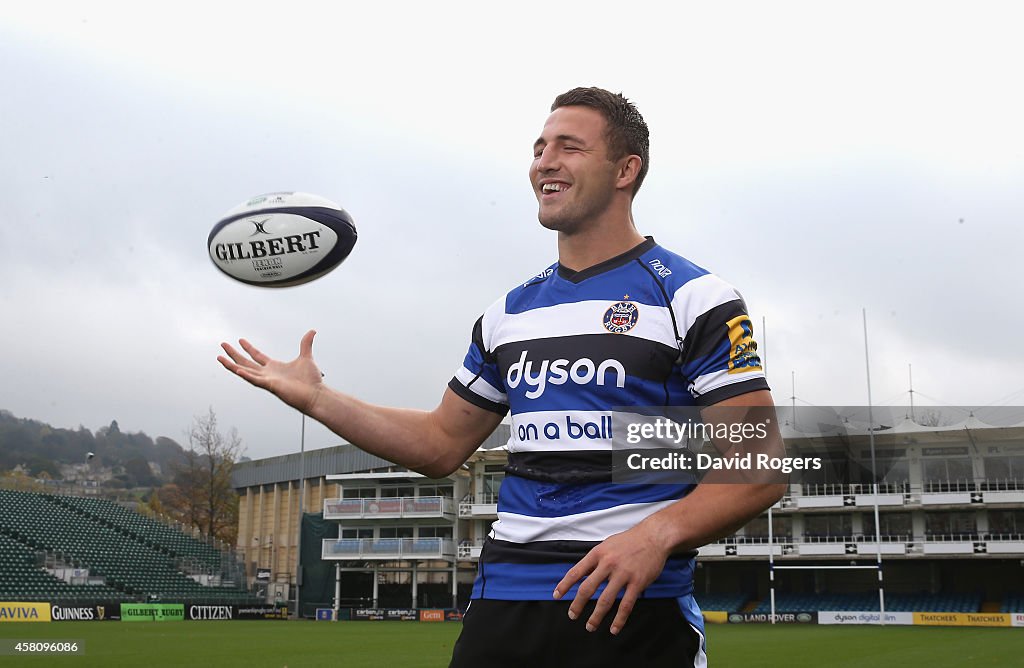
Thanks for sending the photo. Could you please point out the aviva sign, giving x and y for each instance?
(24, 612)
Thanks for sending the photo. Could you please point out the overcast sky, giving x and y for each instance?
(823, 157)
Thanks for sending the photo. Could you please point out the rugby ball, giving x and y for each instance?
(281, 239)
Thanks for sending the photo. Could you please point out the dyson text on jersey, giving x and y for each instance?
(560, 371)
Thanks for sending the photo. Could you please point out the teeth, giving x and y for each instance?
(554, 187)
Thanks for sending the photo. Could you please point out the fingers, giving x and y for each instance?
(588, 566)
(585, 592)
(604, 604)
(572, 576)
(254, 352)
(250, 374)
(625, 609)
(595, 570)
(238, 358)
(262, 371)
(306, 345)
(227, 364)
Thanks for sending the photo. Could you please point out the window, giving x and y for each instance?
(891, 524)
(950, 524)
(356, 533)
(1004, 468)
(396, 532)
(828, 525)
(440, 490)
(392, 492)
(893, 470)
(1006, 522)
(359, 493)
(491, 483)
(782, 527)
(835, 468)
(954, 469)
(435, 532)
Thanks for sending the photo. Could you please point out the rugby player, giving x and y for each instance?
(578, 569)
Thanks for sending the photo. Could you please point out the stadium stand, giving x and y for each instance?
(149, 530)
(722, 602)
(134, 556)
(1013, 602)
(21, 579)
(869, 602)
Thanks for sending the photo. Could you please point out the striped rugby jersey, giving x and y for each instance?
(646, 328)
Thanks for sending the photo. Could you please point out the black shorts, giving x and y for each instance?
(535, 634)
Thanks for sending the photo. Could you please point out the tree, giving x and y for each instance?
(139, 474)
(201, 495)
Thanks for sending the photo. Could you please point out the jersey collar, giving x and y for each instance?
(607, 265)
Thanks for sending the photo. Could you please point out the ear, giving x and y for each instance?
(629, 170)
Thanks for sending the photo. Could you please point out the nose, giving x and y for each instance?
(548, 160)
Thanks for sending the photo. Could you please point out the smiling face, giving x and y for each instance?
(573, 179)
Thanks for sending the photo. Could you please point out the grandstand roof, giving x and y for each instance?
(338, 459)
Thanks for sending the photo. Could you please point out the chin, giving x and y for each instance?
(558, 223)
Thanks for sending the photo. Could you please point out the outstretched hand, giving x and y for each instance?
(296, 383)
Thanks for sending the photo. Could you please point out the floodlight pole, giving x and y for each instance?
(874, 476)
(771, 533)
(302, 499)
(910, 373)
(771, 564)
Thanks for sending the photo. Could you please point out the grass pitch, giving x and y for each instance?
(416, 644)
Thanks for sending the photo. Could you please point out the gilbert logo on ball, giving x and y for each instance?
(281, 239)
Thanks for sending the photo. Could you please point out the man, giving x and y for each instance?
(617, 321)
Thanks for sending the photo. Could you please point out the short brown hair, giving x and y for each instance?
(627, 131)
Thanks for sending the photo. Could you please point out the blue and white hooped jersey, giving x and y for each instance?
(646, 328)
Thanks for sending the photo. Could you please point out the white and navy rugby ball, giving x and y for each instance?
(281, 239)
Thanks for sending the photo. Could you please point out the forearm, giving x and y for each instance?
(433, 443)
(427, 442)
(725, 500)
(710, 512)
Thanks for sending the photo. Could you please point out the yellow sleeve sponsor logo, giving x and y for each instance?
(24, 612)
(743, 355)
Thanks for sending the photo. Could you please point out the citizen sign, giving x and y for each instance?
(210, 612)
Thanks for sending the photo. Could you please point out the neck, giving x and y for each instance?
(598, 242)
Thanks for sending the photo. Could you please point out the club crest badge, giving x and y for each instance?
(621, 317)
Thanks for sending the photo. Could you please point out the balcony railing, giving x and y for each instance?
(394, 507)
(1001, 485)
(405, 549)
(486, 505)
(950, 537)
(838, 489)
(942, 486)
(470, 550)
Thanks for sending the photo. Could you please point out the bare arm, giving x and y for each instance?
(633, 559)
(720, 505)
(433, 443)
